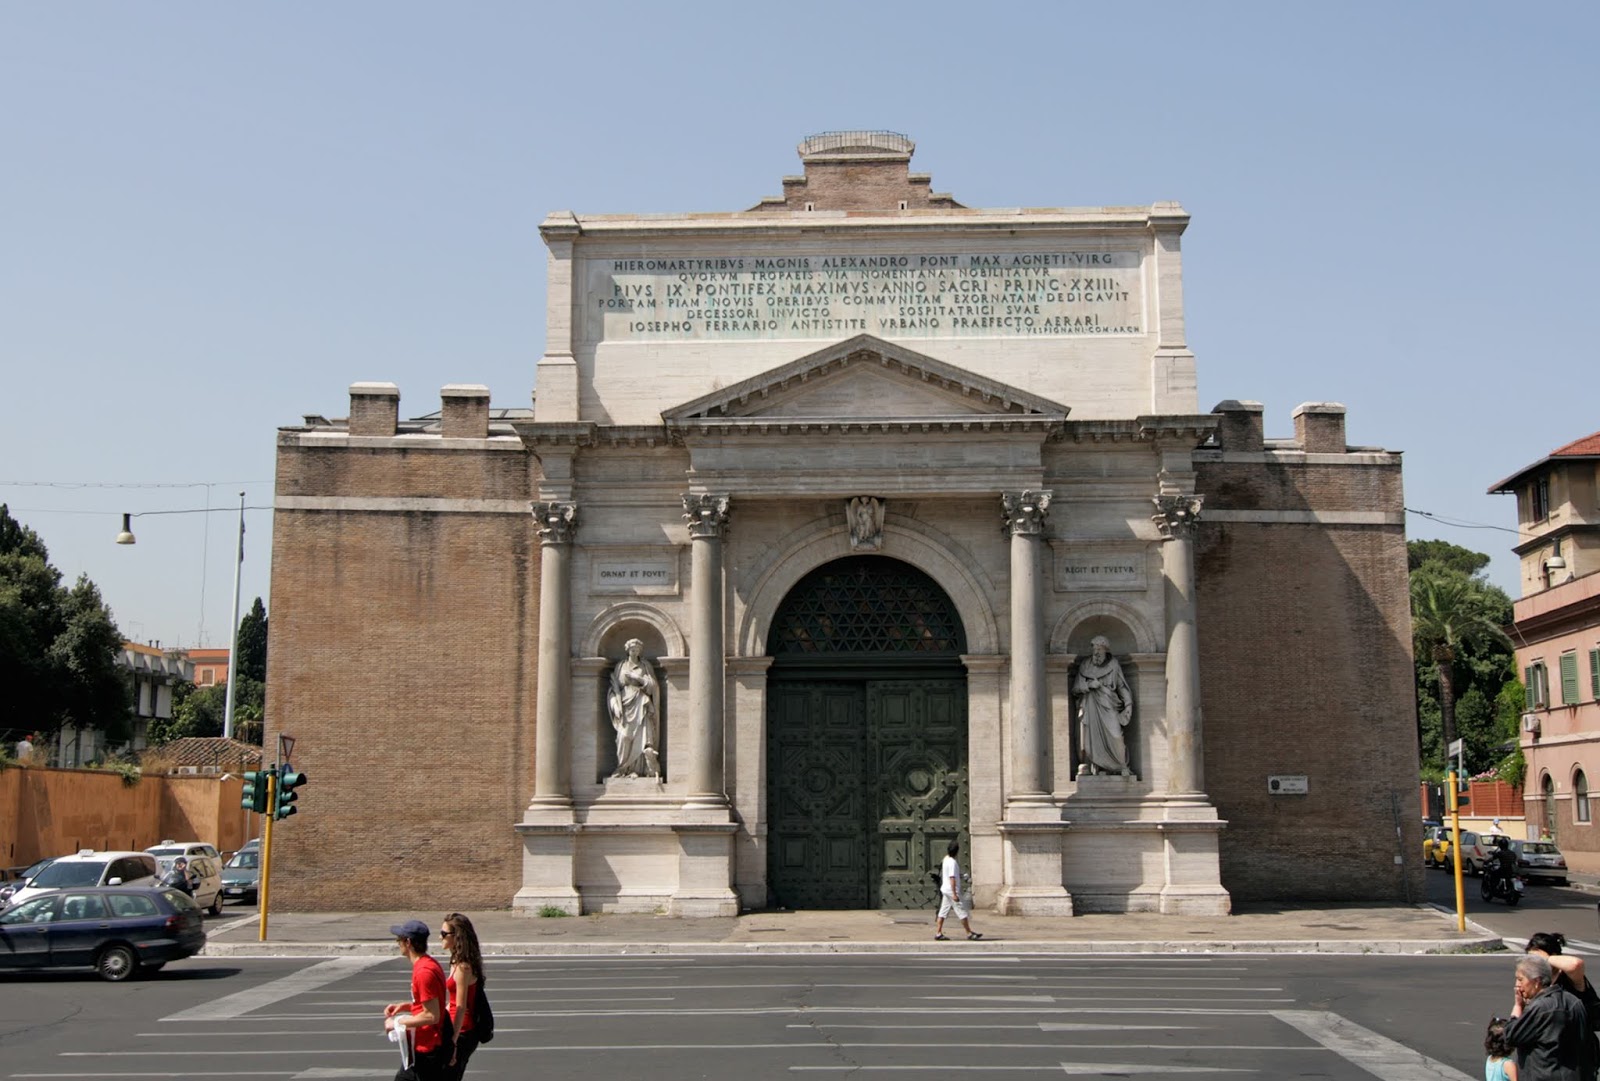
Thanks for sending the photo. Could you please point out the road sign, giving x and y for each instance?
(1455, 748)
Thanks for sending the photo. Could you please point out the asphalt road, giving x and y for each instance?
(1567, 909)
(969, 1012)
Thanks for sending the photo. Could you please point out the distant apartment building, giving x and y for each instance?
(153, 672)
(210, 666)
(1556, 629)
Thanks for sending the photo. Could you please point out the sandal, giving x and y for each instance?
(941, 938)
(974, 936)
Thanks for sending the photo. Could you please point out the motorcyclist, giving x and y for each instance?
(1502, 862)
(178, 877)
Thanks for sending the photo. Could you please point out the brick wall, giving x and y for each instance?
(1306, 670)
(404, 650)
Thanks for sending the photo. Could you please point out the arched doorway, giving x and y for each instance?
(866, 736)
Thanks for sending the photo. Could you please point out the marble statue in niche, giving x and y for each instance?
(865, 515)
(1105, 706)
(634, 704)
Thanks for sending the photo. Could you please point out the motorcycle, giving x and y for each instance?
(1507, 887)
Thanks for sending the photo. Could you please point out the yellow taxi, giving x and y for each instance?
(1436, 847)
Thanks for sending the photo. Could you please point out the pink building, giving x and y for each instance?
(1556, 628)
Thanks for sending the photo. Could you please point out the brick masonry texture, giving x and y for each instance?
(1305, 653)
(404, 651)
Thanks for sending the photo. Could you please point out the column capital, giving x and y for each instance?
(706, 513)
(1177, 515)
(557, 521)
(1024, 512)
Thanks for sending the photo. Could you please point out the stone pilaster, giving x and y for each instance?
(552, 778)
(549, 835)
(1025, 514)
(707, 515)
(1176, 517)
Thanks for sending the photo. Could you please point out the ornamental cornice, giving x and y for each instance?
(679, 430)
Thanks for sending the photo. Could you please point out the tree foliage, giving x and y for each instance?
(58, 645)
(1463, 657)
(200, 711)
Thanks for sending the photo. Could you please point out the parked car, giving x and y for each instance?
(22, 879)
(191, 849)
(116, 930)
(241, 875)
(1436, 847)
(1476, 849)
(1540, 861)
(90, 868)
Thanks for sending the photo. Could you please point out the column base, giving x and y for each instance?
(534, 901)
(548, 849)
(1033, 901)
(1195, 901)
(705, 871)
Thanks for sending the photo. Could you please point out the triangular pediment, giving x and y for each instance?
(866, 377)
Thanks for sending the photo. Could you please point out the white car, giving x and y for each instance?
(90, 868)
(205, 870)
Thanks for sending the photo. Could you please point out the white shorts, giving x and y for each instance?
(948, 904)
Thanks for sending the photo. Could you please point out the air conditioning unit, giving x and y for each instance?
(188, 769)
(1530, 723)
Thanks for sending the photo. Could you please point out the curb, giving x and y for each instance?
(1484, 944)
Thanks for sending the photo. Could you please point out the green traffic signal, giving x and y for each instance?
(288, 781)
(254, 795)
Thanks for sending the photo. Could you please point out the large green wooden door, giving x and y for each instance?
(815, 765)
(868, 784)
(866, 737)
(916, 757)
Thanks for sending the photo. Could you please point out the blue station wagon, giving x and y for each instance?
(115, 930)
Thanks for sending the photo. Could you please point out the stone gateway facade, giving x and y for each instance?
(841, 528)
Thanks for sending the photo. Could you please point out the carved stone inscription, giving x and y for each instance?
(979, 295)
(640, 574)
(1120, 568)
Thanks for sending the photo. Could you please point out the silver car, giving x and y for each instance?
(1540, 861)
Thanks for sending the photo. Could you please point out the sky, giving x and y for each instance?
(215, 217)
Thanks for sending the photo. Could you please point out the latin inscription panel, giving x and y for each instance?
(636, 572)
(923, 295)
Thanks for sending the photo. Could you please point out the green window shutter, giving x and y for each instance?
(1527, 687)
(1594, 674)
(1569, 679)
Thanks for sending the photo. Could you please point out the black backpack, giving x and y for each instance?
(482, 1015)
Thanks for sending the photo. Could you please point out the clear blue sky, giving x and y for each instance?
(215, 217)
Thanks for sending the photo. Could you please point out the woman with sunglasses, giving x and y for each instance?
(466, 976)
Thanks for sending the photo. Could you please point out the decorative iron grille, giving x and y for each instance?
(866, 604)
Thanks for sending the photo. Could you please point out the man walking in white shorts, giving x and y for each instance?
(950, 895)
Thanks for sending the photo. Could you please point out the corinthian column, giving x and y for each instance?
(707, 516)
(552, 777)
(1024, 517)
(1176, 516)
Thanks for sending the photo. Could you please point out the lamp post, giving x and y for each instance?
(127, 537)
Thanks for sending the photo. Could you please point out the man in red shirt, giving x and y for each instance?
(424, 1015)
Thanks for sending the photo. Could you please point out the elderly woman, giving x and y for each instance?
(633, 703)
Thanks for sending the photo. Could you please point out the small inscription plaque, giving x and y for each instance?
(895, 294)
(635, 573)
(1121, 568)
(1288, 785)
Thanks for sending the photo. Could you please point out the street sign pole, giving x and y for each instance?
(1455, 851)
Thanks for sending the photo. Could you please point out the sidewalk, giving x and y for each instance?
(1330, 928)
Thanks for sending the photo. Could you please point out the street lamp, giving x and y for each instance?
(127, 537)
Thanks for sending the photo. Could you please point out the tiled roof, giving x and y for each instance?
(1589, 444)
(204, 751)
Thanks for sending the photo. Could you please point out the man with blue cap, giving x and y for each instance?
(423, 1018)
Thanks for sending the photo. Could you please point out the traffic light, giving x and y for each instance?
(254, 796)
(288, 781)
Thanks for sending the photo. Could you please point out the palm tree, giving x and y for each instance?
(1450, 611)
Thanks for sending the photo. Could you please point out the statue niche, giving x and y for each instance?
(633, 702)
(1105, 708)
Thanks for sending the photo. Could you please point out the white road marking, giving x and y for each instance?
(307, 979)
(1378, 1055)
(1096, 1069)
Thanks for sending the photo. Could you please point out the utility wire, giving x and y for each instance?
(1458, 523)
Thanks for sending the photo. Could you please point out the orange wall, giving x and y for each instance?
(50, 812)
